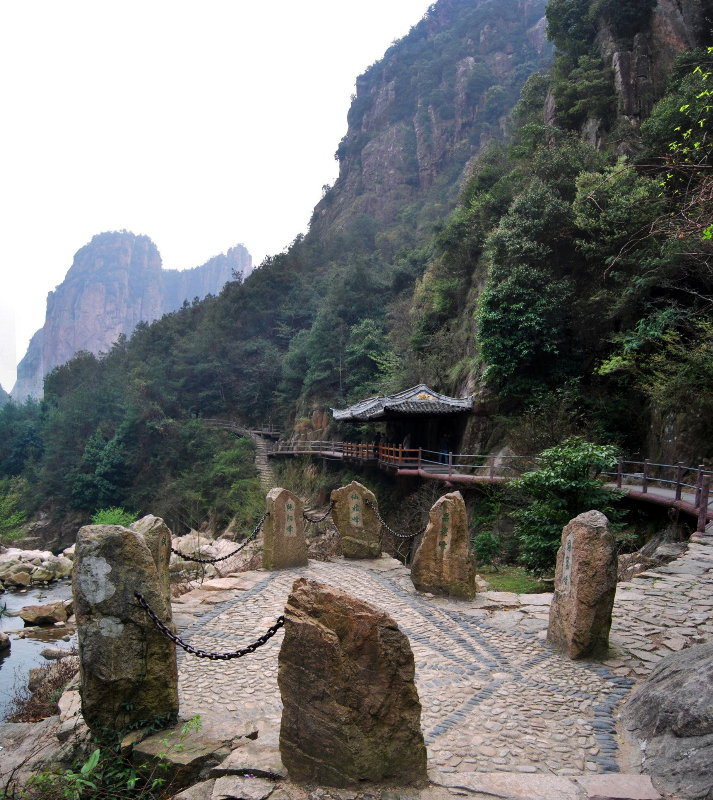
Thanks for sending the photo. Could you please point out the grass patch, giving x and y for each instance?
(513, 579)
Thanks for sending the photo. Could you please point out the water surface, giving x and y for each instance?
(24, 654)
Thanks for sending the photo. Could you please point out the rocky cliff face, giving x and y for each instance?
(179, 285)
(4, 396)
(115, 282)
(420, 114)
(641, 67)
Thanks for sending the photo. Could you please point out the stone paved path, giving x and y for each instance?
(495, 696)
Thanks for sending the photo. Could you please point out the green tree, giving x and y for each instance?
(522, 330)
(564, 485)
(113, 516)
(626, 17)
(370, 362)
(583, 89)
(569, 26)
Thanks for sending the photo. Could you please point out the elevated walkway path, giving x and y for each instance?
(677, 486)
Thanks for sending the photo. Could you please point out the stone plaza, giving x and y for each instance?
(496, 697)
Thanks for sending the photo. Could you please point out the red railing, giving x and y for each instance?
(672, 485)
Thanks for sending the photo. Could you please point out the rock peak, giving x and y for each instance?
(115, 282)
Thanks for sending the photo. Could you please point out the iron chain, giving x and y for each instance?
(250, 538)
(319, 519)
(387, 526)
(194, 651)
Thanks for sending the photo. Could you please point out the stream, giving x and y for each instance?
(24, 654)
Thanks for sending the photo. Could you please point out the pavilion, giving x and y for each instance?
(419, 415)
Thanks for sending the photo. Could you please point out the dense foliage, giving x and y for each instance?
(564, 485)
(570, 284)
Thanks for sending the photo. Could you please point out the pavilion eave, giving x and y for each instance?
(419, 401)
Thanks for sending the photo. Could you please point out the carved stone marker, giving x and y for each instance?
(585, 584)
(355, 518)
(444, 563)
(128, 669)
(351, 711)
(284, 543)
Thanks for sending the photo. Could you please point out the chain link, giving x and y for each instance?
(250, 538)
(387, 526)
(194, 651)
(319, 519)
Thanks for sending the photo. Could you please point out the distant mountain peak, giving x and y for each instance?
(115, 282)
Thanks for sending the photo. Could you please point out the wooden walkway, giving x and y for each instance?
(677, 486)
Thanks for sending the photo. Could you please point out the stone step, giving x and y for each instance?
(519, 786)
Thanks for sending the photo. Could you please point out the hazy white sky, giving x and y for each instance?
(200, 123)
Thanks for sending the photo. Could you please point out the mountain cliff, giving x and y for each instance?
(115, 282)
(423, 111)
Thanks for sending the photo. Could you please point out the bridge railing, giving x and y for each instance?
(263, 429)
(307, 446)
(674, 485)
(678, 483)
(684, 482)
(480, 465)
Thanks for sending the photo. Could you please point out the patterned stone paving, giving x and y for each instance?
(494, 698)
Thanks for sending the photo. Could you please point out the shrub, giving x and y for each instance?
(113, 516)
(564, 485)
(33, 706)
(486, 547)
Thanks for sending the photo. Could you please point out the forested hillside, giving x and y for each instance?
(554, 261)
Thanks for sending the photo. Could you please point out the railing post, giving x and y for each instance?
(419, 459)
(679, 479)
(401, 454)
(619, 473)
(450, 464)
(491, 467)
(699, 485)
(703, 507)
(645, 482)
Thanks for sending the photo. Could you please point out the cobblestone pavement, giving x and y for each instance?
(495, 696)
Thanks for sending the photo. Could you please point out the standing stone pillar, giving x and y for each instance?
(128, 673)
(157, 536)
(444, 563)
(354, 516)
(284, 543)
(351, 711)
(585, 584)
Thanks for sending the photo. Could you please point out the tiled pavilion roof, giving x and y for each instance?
(418, 401)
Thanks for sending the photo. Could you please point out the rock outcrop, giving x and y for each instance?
(435, 99)
(641, 67)
(351, 711)
(47, 614)
(671, 714)
(23, 567)
(115, 282)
